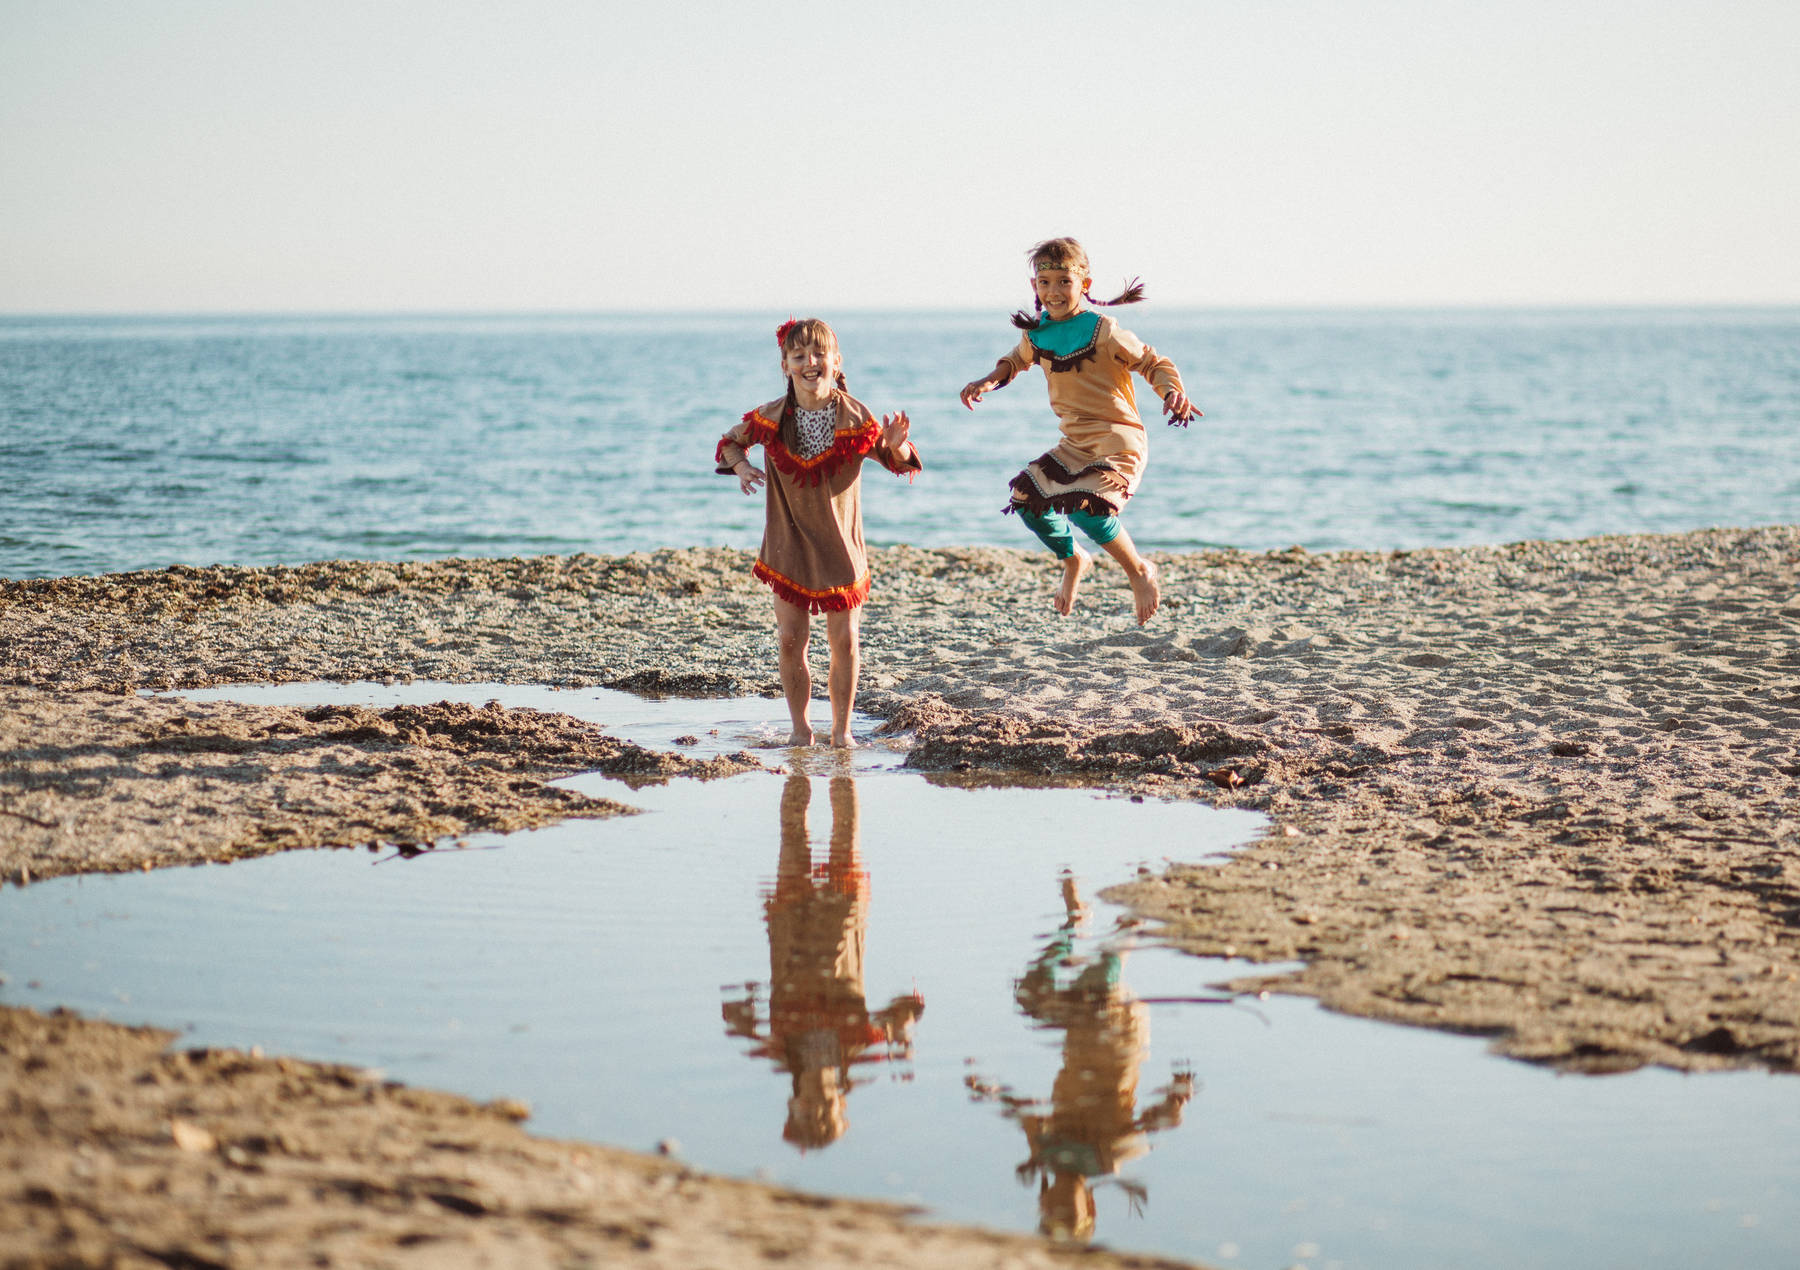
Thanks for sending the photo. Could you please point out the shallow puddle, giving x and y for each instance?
(852, 979)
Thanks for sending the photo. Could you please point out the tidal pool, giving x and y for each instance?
(850, 978)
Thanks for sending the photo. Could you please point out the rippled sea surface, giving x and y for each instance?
(139, 442)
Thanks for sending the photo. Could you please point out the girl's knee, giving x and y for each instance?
(842, 631)
(791, 642)
(793, 626)
(1102, 529)
(1052, 529)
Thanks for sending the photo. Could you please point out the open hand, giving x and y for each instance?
(750, 477)
(895, 429)
(973, 390)
(1179, 409)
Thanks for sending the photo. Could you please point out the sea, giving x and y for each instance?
(139, 442)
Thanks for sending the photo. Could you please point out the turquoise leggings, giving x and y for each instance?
(1053, 529)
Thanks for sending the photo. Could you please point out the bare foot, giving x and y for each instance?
(843, 742)
(801, 736)
(1145, 593)
(1074, 569)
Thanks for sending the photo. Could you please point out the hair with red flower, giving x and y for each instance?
(789, 335)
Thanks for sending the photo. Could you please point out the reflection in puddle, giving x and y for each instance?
(1091, 1125)
(815, 1023)
(812, 1020)
(578, 967)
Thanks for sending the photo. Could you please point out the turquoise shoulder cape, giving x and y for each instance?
(1067, 337)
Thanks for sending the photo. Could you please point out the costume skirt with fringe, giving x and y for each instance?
(837, 599)
(1059, 481)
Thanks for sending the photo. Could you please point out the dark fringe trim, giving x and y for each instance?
(1026, 498)
(1070, 362)
(837, 600)
(1053, 468)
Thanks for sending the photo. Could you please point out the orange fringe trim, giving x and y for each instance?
(838, 599)
(851, 443)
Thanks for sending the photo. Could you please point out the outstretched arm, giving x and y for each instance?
(1005, 371)
(894, 449)
(1160, 373)
(975, 389)
(732, 457)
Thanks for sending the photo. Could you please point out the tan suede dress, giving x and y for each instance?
(1100, 460)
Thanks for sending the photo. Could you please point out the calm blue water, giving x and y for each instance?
(138, 442)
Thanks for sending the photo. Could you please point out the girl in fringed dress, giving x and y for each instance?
(1088, 359)
(812, 555)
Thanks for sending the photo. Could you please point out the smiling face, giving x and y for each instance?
(1060, 290)
(813, 367)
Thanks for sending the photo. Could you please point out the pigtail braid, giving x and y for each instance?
(789, 428)
(1133, 292)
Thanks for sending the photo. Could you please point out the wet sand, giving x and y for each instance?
(1542, 792)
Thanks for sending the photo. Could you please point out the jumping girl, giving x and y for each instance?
(1088, 359)
(812, 555)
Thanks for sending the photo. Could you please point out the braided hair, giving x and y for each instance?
(1066, 253)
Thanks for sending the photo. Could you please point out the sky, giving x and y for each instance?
(196, 156)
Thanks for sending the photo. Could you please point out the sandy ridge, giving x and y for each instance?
(97, 782)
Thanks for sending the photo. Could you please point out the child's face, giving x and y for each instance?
(812, 366)
(1060, 291)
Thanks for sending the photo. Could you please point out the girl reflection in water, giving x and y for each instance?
(1092, 1125)
(819, 1025)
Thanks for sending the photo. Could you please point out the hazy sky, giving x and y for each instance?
(161, 155)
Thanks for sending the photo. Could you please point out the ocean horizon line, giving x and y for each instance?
(1461, 308)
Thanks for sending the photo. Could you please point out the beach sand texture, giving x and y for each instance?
(1543, 792)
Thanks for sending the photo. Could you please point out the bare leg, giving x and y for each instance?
(1145, 593)
(1074, 569)
(792, 632)
(841, 631)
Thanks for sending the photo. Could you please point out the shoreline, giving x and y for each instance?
(1541, 792)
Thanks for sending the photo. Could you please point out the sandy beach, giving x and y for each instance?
(1541, 792)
